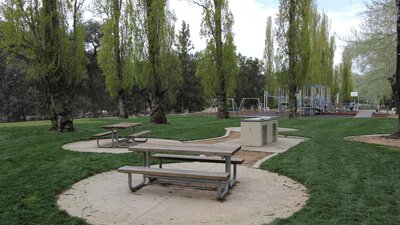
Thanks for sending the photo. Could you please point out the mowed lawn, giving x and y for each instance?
(348, 182)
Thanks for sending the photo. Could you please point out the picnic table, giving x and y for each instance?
(114, 131)
(208, 153)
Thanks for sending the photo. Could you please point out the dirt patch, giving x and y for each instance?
(385, 115)
(251, 157)
(232, 135)
(377, 139)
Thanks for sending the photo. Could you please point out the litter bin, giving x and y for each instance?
(259, 131)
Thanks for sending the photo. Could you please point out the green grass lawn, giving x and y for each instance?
(348, 182)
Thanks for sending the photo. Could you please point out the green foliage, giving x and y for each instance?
(313, 47)
(158, 28)
(268, 58)
(189, 94)
(371, 86)
(207, 67)
(26, 31)
(251, 78)
(373, 47)
(116, 53)
(37, 31)
(346, 86)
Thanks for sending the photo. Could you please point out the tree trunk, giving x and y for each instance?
(121, 105)
(158, 111)
(398, 60)
(61, 113)
(292, 64)
(395, 96)
(222, 111)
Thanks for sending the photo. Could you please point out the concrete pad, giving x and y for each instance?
(258, 197)
(365, 114)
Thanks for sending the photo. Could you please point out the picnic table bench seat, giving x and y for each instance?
(220, 178)
(210, 159)
(141, 134)
(103, 134)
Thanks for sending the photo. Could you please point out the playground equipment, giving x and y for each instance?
(281, 98)
(314, 98)
(259, 105)
(232, 107)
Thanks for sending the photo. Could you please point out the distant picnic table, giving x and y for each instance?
(114, 132)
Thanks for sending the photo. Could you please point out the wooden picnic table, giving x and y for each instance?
(225, 152)
(120, 126)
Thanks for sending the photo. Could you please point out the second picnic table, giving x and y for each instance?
(114, 128)
(223, 153)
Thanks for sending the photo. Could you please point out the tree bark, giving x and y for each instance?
(157, 113)
(398, 60)
(121, 105)
(292, 63)
(61, 113)
(222, 111)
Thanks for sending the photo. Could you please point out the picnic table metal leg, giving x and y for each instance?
(146, 159)
(112, 139)
(137, 187)
(228, 164)
(117, 139)
(222, 193)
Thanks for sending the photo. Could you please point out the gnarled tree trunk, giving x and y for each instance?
(61, 113)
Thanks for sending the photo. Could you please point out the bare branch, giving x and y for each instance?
(199, 4)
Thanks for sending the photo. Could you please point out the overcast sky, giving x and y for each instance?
(251, 16)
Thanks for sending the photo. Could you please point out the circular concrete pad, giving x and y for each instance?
(258, 197)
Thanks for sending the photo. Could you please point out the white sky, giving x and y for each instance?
(251, 16)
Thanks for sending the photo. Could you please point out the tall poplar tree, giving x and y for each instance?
(115, 56)
(270, 82)
(157, 66)
(37, 31)
(293, 35)
(345, 71)
(217, 64)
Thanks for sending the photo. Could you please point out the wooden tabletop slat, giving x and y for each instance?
(121, 125)
(187, 149)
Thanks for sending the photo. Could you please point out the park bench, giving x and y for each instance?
(219, 178)
(234, 161)
(142, 134)
(99, 135)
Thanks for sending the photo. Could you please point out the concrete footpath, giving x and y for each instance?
(364, 114)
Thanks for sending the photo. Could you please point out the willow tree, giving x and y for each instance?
(37, 31)
(294, 46)
(115, 56)
(268, 57)
(217, 64)
(157, 66)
